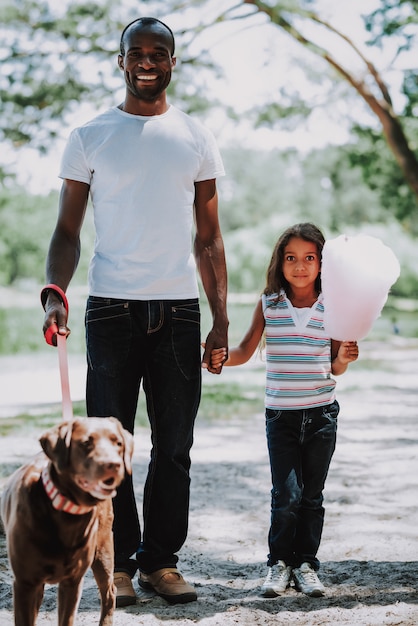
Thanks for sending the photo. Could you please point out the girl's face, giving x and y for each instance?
(301, 263)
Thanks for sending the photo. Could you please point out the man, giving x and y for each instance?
(151, 173)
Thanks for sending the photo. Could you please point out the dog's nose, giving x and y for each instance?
(112, 472)
(114, 466)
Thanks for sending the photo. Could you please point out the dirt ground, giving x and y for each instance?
(369, 551)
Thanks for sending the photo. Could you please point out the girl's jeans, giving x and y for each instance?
(155, 342)
(301, 444)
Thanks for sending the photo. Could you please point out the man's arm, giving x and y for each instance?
(64, 250)
(210, 258)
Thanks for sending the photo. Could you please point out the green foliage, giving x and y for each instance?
(53, 59)
(55, 56)
(288, 112)
(263, 193)
(26, 224)
(410, 90)
(373, 159)
(43, 78)
(393, 18)
(43, 51)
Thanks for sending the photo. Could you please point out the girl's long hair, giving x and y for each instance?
(275, 281)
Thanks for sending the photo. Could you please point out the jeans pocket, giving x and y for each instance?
(273, 415)
(185, 320)
(330, 411)
(108, 334)
(329, 423)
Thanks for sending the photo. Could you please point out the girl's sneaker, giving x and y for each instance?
(307, 581)
(277, 581)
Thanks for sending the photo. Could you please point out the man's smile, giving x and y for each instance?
(146, 77)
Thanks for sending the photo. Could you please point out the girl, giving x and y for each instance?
(301, 409)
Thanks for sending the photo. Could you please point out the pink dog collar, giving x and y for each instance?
(60, 502)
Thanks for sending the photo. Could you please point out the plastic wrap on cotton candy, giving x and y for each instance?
(357, 273)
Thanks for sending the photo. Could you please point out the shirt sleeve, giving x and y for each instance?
(73, 161)
(212, 165)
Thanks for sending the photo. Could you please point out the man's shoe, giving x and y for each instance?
(277, 580)
(307, 581)
(169, 584)
(125, 594)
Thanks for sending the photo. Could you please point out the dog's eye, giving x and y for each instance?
(117, 441)
(87, 444)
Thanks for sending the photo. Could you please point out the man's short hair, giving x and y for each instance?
(146, 21)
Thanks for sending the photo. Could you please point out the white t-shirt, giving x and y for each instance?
(141, 171)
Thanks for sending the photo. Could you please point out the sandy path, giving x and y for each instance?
(369, 548)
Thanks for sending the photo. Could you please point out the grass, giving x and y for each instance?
(37, 421)
(21, 328)
(20, 333)
(223, 401)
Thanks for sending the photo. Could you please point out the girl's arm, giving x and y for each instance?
(342, 353)
(246, 348)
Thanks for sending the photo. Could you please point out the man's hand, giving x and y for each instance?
(215, 353)
(55, 320)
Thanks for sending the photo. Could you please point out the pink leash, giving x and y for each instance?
(67, 407)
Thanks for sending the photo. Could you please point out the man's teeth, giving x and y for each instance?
(147, 77)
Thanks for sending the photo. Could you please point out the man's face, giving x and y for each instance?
(147, 62)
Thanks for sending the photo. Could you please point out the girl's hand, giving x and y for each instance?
(218, 357)
(347, 352)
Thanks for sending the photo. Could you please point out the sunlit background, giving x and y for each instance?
(295, 93)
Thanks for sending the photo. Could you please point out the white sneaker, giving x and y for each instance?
(307, 581)
(277, 581)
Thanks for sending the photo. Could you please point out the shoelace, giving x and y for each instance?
(278, 574)
(310, 577)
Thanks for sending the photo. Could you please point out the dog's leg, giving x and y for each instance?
(69, 594)
(27, 599)
(104, 579)
(103, 564)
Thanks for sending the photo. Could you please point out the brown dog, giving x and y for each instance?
(57, 514)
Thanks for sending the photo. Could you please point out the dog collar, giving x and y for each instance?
(60, 502)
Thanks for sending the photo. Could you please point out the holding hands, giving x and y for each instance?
(345, 352)
(218, 357)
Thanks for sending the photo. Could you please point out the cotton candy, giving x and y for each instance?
(357, 273)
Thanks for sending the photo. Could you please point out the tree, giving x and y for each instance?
(42, 76)
(369, 85)
(56, 56)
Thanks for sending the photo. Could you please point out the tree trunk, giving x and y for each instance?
(382, 108)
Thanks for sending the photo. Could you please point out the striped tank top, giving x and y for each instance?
(298, 355)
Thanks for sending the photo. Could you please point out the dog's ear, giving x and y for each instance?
(56, 443)
(128, 442)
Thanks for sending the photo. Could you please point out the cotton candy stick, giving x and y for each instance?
(357, 273)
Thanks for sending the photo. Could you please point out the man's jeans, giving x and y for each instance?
(157, 343)
(301, 444)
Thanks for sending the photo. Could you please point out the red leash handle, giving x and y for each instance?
(53, 329)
